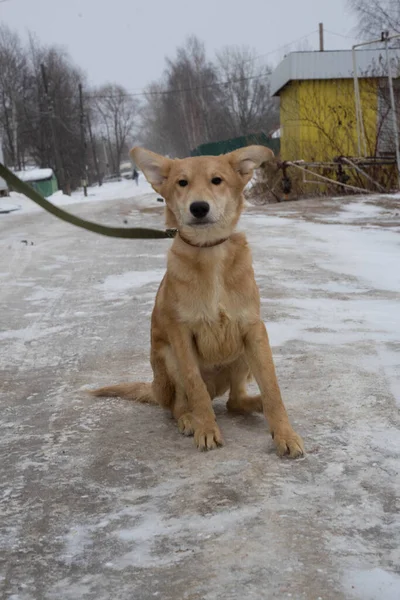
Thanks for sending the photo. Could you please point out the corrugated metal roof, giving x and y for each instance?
(335, 64)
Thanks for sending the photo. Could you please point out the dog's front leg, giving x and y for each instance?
(206, 431)
(259, 357)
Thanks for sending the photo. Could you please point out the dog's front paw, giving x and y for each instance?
(288, 443)
(208, 436)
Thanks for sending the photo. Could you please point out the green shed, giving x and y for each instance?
(43, 181)
(225, 146)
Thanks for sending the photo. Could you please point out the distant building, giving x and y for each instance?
(224, 146)
(317, 103)
(43, 181)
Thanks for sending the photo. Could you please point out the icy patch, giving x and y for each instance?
(311, 320)
(116, 286)
(370, 255)
(356, 211)
(6, 207)
(372, 584)
(77, 541)
(152, 529)
(29, 334)
(45, 294)
(330, 287)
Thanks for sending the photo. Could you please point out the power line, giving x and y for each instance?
(284, 46)
(177, 90)
(346, 37)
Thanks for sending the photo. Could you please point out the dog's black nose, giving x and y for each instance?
(199, 209)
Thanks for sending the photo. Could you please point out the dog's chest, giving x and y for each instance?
(218, 341)
(215, 318)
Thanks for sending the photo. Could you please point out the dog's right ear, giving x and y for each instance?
(154, 166)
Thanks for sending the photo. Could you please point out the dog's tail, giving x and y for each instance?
(140, 392)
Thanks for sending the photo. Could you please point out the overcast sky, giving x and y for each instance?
(125, 41)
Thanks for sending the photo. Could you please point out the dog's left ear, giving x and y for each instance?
(245, 160)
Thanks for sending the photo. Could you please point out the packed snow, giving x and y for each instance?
(102, 498)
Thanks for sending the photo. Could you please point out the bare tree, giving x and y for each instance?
(13, 74)
(246, 99)
(374, 16)
(61, 101)
(153, 129)
(117, 115)
(190, 100)
(198, 101)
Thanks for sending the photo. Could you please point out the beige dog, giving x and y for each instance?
(207, 336)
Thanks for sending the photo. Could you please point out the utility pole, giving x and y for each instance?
(15, 135)
(50, 110)
(83, 142)
(321, 37)
(94, 152)
(105, 156)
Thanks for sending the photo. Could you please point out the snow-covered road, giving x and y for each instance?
(104, 499)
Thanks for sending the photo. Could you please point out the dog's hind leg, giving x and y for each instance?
(239, 401)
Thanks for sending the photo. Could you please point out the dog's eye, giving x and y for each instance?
(183, 182)
(216, 180)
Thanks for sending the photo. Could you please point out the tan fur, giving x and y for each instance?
(207, 336)
(140, 392)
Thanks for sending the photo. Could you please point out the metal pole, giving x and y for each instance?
(356, 100)
(321, 37)
(15, 134)
(362, 146)
(393, 106)
(83, 141)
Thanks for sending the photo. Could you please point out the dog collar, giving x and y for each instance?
(206, 245)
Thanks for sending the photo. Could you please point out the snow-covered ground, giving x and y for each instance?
(103, 499)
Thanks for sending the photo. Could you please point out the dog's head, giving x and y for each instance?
(204, 194)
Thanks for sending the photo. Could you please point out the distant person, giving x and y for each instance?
(135, 176)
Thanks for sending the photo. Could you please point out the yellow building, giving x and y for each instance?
(317, 103)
